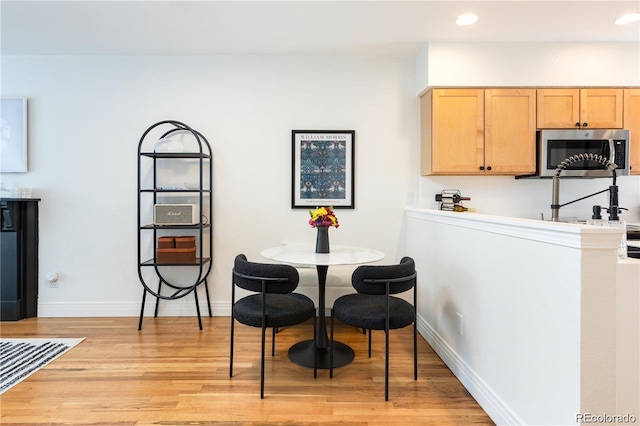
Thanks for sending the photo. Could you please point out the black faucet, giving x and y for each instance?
(613, 209)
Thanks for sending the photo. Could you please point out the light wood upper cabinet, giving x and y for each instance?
(558, 108)
(632, 123)
(594, 108)
(601, 108)
(478, 132)
(510, 131)
(452, 131)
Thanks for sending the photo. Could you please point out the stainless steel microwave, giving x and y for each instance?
(583, 152)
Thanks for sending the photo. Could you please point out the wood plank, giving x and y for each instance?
(172, 373)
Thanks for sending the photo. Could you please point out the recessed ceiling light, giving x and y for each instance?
(466, 19)
(627, 19)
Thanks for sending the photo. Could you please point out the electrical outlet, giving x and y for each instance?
(459, 323)
(52, 277)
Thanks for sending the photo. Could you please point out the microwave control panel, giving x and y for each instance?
(620, 146)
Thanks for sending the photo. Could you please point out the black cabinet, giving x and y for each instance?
(175, 149)
(18, 258)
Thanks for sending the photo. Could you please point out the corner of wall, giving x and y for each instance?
(422, 69)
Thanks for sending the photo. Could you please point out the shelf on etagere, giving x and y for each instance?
(178, 190)
(196, 226)
(175, 155)
(198, 261)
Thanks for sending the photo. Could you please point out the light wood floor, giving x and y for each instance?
(170, 373)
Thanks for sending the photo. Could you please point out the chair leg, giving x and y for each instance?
(273, 341)
(369, 343)
(262, 363)
(331, 349)
(386, 366)
(386, 345)
(415, 353)
(415, 333)
(231, 350)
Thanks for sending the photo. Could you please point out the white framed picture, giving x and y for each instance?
(13, 134)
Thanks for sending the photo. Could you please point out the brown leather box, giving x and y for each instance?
(176, 255)
(166, 242)
(185, 242)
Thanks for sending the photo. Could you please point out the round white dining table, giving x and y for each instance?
(302, 353)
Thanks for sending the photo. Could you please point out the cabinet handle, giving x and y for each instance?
(578, 124)
(585, 124)
(481, 167)
(489, 168)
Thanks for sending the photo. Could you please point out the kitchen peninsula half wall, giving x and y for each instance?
(527, 313)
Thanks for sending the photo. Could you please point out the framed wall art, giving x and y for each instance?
(322, 170)
(13, 134)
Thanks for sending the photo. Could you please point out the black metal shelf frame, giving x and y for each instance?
(152, 226)
(198, 261)
(204, 260)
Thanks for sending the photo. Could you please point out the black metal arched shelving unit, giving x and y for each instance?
(165, 277)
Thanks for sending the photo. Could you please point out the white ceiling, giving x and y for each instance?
(295, 27)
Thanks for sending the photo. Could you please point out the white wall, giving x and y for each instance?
(86, 116)
(530, 64)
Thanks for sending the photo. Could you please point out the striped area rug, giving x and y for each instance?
(20, 358)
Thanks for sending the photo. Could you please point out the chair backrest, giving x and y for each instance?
(405, 269)
(249, 276)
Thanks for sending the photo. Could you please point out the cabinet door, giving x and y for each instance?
(558, 108)
(595, 108)
(456, 139)
(601, 108)
(632, 123)
(510, 131)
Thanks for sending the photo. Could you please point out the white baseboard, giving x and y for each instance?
(490, 402)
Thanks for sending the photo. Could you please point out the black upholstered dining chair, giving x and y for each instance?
(273, 304)
(374, 308)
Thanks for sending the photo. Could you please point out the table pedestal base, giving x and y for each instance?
(302, 354)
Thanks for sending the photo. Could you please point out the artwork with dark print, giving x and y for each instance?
(323, 169)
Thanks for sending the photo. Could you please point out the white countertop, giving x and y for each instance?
(577, 235)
